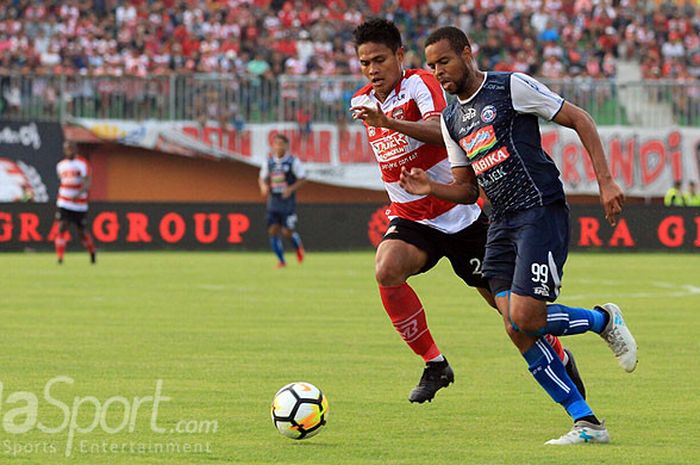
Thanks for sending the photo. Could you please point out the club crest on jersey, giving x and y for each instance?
(397, 113)
(479, 142)
(494, 158)
(488, 114)
(468, 114)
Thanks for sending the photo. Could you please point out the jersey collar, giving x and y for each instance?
(471, 97)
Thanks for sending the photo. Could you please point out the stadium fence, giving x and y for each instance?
(235, 100)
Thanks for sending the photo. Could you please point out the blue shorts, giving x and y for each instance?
(527, 250)
(287, 220)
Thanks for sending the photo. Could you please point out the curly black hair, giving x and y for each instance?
(457, 39)
(380, 31)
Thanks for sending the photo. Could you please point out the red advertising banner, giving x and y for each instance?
(645, 162)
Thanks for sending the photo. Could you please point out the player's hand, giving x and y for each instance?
(264, 190)
(415, 181)
(613, 199)
(372, 116)
(286, 193)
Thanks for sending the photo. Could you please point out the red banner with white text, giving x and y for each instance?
(645, 162)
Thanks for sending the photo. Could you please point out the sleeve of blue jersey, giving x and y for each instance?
(531, 96)
(455, 154)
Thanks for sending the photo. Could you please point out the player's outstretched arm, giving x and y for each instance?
(463, 188)
(611, 195)
(427, 130)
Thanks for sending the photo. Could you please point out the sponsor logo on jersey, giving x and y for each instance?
(479, 142)
(468, 114)
(542, 290)
(488, 114)
(492, 159)
(391, 146)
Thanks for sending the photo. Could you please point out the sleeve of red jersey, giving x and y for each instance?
(88, 169)
(429, 96)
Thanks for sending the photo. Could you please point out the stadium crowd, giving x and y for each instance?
(263, 39)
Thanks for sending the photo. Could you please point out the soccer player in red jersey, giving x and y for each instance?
(72, 202)
(401, 111)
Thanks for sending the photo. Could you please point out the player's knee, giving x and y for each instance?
(511, 330)
(528, 325)
(525, 321)
(520, 340)
(388, 274)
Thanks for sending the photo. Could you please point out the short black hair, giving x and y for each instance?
(281, 137)
(380, 31)
(457, 39)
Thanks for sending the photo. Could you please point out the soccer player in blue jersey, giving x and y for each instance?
(281, 175)
(493, 141)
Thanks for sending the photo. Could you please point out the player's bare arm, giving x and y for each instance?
(463, 189)
(264, 188)
(289, 190)
(427, 130)
(611, 195)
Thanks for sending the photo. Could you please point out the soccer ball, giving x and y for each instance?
(299, 410)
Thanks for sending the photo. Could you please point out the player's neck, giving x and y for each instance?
(382, 96)
(473, 85)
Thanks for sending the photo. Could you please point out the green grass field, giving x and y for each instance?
(223, 331)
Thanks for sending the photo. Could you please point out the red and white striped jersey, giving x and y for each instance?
(417, 96)
(73, 175)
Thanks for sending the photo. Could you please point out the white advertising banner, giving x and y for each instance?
(643, 161)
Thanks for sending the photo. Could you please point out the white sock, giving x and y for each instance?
(439, 358)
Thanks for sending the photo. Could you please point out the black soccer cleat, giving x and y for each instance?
(573, 373)
(93, 257)
(436, 375)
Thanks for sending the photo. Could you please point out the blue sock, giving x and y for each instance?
(563, 320)
(296, 240)
(545, 366)
(277, 247)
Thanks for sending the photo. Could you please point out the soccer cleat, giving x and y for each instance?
(619, 337)
(93, 257)
(300, 254)
(281, 265)
(60, 261)
(572, 371)
(583, 432)
(436, 376)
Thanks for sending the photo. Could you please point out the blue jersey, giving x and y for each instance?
(279, 173)
(496, 131)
